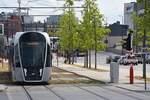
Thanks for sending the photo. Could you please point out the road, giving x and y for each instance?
(101, 61)
(70, 92)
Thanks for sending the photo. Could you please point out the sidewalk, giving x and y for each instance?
(2, 87)
(104, 76)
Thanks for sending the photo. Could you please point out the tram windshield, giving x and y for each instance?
(32, 52)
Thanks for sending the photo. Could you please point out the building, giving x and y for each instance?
(53, 22)
(118, 32)
(35, 26)
(3, 16)
(13, 23)
(27, 19)
(129, 8)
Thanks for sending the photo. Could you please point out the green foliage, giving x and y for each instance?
(68, 32)
(69, 2)
(92, 16)
(142, 23)
(74, 35)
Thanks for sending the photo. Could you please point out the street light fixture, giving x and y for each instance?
(19, 9)
(19, 1)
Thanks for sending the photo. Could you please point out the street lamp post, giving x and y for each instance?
(19, 14)
(19, 8)
(144, 44)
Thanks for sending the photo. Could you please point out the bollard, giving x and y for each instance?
(131, 74)
(114, 72)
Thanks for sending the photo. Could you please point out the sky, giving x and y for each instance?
(111, 9)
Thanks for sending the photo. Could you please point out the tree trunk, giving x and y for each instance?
(86, 59)
(95, 59)
(90, 59)
(69, 58)
(72, 60)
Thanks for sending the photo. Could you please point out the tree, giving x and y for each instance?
(68, 32)
(142, 23)
(92, 25)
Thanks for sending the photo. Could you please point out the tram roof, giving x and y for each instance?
(19, 34)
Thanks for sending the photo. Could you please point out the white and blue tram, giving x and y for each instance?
(32, 59)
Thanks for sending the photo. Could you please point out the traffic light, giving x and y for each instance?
(128, 43)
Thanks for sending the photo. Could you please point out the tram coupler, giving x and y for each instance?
(131, 74)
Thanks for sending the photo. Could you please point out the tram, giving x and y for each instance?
(31, 61)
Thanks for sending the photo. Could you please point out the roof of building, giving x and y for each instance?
(118, 29)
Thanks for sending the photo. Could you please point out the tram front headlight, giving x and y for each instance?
(41, 72)
(25, 71)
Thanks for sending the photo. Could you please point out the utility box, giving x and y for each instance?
(114, 72)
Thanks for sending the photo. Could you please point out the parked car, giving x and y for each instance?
(112, 59)
(148, 59)
(139, 56)
(131, 59)
(109, 59)
(121, 61)
(116, 58)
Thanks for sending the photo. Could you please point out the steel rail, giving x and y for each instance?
(54, 92)
(27, 93)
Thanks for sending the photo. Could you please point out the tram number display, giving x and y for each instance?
(32, 43)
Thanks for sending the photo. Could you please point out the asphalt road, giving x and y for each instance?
(70, 92)
(101, 60)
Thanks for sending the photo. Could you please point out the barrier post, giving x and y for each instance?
(131, 74)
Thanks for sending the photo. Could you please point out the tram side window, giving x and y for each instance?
(17, 62)
(48, 62)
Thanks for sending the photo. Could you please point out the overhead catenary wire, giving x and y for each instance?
(36, 1)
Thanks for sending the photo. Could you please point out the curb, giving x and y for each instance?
(132, 90)
(78, 65)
